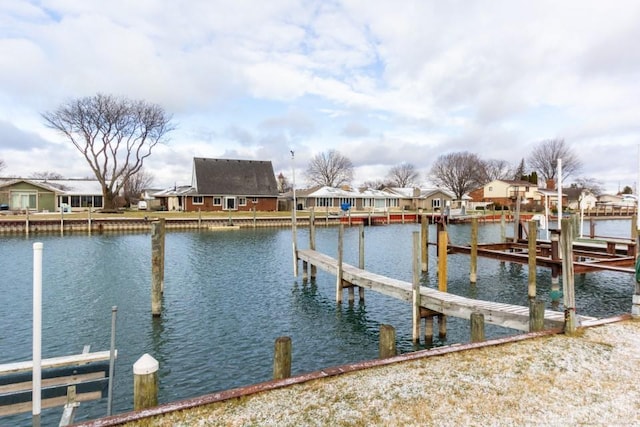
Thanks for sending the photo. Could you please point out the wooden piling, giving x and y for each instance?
(163, 229)
(387, 344)
(533, 233)
(516, 221)
(156, 265)
(145, 382)
(477, 327)
(361, 257)
(634, 227)
(503, 228)
(89, 221)
(424, 230)
(282, 358)
(26, 223)
(428, 330)
(339, 273)
(568, 288)
(312, 239)
(555, 271)
(442, 261)
(416, 288)
(536, 315)
(473, 262)
(442, 326)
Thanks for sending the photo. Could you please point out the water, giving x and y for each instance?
(229, 295)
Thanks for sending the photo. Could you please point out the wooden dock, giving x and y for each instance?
(506, 315)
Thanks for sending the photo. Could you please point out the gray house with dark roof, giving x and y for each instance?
(232, 185)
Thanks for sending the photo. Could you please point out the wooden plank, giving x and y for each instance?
(51, 382)
(76, 359)
(507, 315)
(19, 408)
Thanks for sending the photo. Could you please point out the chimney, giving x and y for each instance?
(551, 184)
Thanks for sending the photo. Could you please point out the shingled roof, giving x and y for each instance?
(234, 177)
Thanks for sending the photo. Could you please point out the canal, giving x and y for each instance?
(229, 295)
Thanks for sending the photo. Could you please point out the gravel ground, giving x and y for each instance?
(589, 379)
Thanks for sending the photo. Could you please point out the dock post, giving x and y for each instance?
(416, 287)
(536, 315)
(473, 274)
(312, 239)
(442, 278)
(428, 330)
(568, 287)
(294, 243)
(26, 223)
(516, 221)
(89, 221)
(361, 258)
(533, 233)
(387, 344)
(162, 252)
(592, 228)
(635, 302)
(145, 382)
(424, 229)
(305, 271)
(477, 327)
(339, 273)
(555, 273)
(282, 358)
(634, 227)
(255, 220)
(503, 228)
(156, 265)
(199, 219)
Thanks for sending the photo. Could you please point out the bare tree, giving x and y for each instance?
(544, 159)
(135, 185)
(330, 168)
(519, 172)
(376, 184)
(46, 175)
(113, 134)
(591, 184)
(495, 169)
(403, 175)
(457, 172)
(2, 165)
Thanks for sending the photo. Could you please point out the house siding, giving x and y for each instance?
(263, 204)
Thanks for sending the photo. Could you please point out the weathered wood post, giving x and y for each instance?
(361, 257)
(424, 229)
(89, 221)
(428, 330)
(477, 327)
(473, 262)
(312, 239)
(634, 227)
(282, 358)
(555, 270)
(387, 344)
(568, 288)
(62, 219)
(533, 234)
(145, 382)
(503, 228)
(516, 220)
(156, 265)
(592, 227)
(442, 278)
(26, 223)
(255, 219)
(163, 228)
(536, 315)
(635, 302)
(416, 288)
(339, 273)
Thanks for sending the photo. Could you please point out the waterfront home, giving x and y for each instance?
(334, 200)
(502, 192)
(46, 195)
(225, 185)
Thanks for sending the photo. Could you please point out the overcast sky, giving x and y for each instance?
(382, 82)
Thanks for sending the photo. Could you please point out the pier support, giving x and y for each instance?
(477, 327)
(312, 240)
(339, 272)
(424, 232)
(282, 358)
(555, 270)
(533, 234)
(145, 382)
(442, 278)
(361, 257)
(387, 344)
(473, 262)
(156, 268)
(568, 287)
(416, 288)
(536, 315)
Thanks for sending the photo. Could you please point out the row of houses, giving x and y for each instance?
(245, 185)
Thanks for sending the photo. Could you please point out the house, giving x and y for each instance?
(334, 199)
(42, 195)
(579, 198)
(506, 192)
(225, 185)
(436, 199)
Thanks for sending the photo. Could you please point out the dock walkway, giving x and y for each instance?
(506, 315)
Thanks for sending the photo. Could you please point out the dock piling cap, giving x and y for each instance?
(146, 364)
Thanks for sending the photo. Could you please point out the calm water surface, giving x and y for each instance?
(229, 295)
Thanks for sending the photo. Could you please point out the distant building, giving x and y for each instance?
(42, 195)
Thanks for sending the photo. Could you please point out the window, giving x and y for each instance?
(436, 203)
(490, 188)
(23, 200)
(197, 200)
(217, 201)
(324, 202)
(242, 201)
(394, 203)
(350, 200)
(254, 200)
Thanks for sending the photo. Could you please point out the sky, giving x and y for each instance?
(381, 82)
